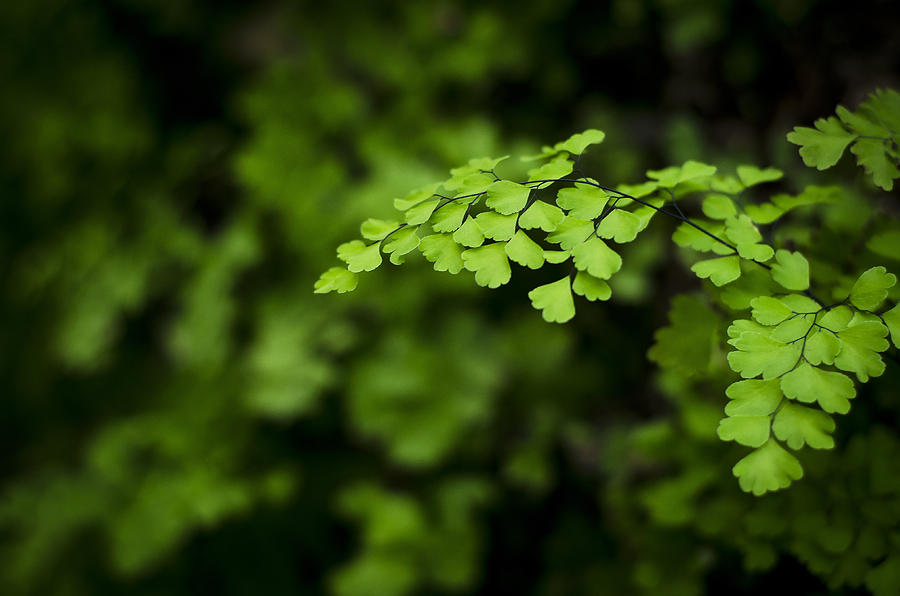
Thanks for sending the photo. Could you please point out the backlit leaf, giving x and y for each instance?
(554, 300)
(525, 251)
(336, 279)
(489, 263)
(768, 468)
(871, 288)
(791, 270)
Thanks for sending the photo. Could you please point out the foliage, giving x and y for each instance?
(792, 340)
(182, 415)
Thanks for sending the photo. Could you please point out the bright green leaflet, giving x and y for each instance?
(871, 288)
(554, 300)
(791, 270)
(489, 263)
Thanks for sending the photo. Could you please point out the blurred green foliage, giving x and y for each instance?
(182, 415)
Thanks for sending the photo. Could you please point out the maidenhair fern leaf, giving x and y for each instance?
(489, 263)
(582, 201)
(469, 234)
(541, 215)
(441, 250)
(892, 320)
(798, 426)
(506, 197)
(525, 251)
(596, 258)
(861, 343)
(336, 279)
(400, 243)
(590, 287)
(720, 271)
(571, 232)
(750, 431)
(554, 300)
(821, 147)
(496, 226)
(376, 229)
(767, 468)
(871, 288)
(620, 226)
(791, 270)
(751, 175)
(360, 257)
(753, 397)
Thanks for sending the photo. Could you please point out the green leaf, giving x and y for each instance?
(741, 230)
(746, 237)
(486, 164)
(751, 175)
(726, 184)
(469, 234)
(665, 178)
(416, 197)
(360, 257)
(590, 287)
(764, 213)
(376, 229)
(872, 155)
(717, 206)
(638, 190)
(541, 215)
(583, 201)
(821, 147)
(791, 270)
(695, 169)
(557, 256)
(554, 300)
(871, 288)
(768, 468)
(525, 251)
(720, 271)
(861, 124)
(336, 279)
(489, 263)
(506, 197)
(687, 235)
(496, 226)
(421, 212)
(798, 426)
(556, 168)
(753, 397)
(595, 257)
(571, 232)
(809, 384)
(621, 226)
(811, 195)
(750, 431)
(769, 311)
(449, 217)
(400, 243)
(800, 304)
(885, 244)
(821, 347)
(759, 354)
(474, 183)
(892, 320)
(686, 344)
(794, 329)
(860, 343)
(441, 250)
(577, 143)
